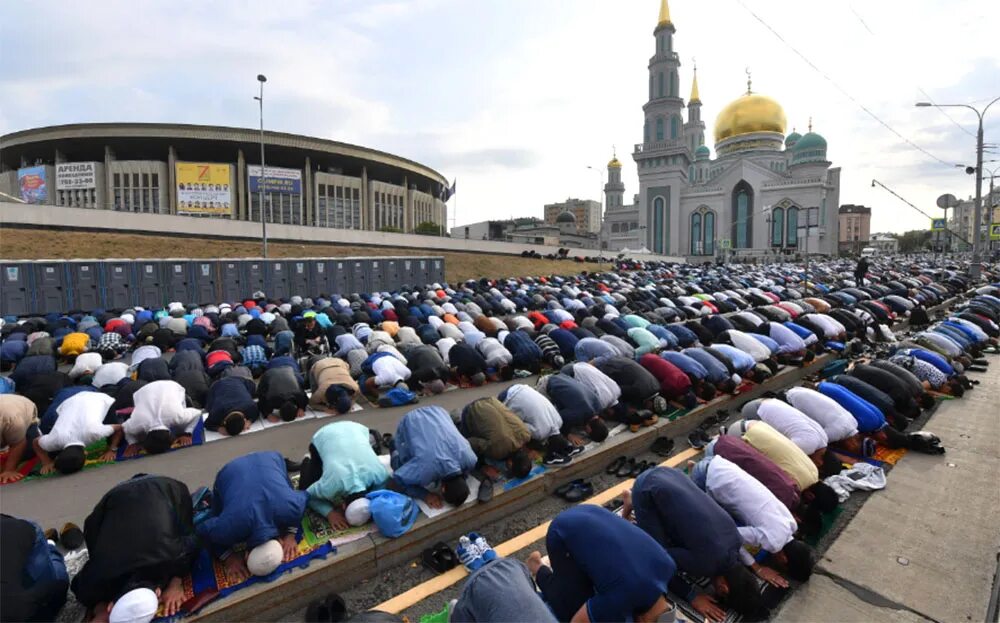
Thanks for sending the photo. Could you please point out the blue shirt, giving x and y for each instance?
(576, 403)
(566, 342)
(741, 360)
(717, 372)
(685, 337)
(771, 345)
(663, 334)
(869, 418)
(428, 449)
(589, 349)
(591, 539)
(688, 365)
(253, 502)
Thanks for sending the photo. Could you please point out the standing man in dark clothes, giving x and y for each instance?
(701, 537)
(33, 578)
(140, 537)
(231, 406)
(861, 270)
(280, 389)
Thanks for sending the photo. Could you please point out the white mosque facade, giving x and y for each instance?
(756, 196)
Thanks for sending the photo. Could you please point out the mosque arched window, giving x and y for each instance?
(696, 240)
(659, 83)
(709, 233)
(659, 128)
(675, 126)
(659, 223)
(777, 227)
(792, 227)
(645, 132)
(742, 211)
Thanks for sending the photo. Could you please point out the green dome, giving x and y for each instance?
(792, 139)
(810, 141)
(702, 152)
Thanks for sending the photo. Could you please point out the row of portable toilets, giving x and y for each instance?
(46, 286)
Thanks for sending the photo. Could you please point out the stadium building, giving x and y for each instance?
(215, 172)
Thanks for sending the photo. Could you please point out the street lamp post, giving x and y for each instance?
(260, 181)
(977, 245)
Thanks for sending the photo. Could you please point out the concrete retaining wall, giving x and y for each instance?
(12, 213)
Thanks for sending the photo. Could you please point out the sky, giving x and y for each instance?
(517, 98)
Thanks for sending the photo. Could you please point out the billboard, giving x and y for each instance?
(76, 175)
(277, 180)
(31, 180)
(203, 189)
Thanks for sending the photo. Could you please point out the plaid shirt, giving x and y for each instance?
(254, 356)
(921, 369)
(112, 342)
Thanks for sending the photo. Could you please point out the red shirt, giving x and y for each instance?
(673, 382)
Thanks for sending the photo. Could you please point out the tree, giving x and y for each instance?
(391, 230)
(428, 228)
(914, 241)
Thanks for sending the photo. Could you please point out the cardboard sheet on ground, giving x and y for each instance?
(262, 424)
(434, 512)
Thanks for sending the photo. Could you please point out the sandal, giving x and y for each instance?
(615, 465)
(579, 492)
(639, 467)
(698, 439)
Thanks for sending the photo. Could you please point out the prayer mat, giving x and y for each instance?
(197, 438)
(208, 580)
(829, 519)
(93, 454)
(262, 423)
(884, 455)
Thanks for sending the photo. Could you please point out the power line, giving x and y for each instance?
(919, 88)
(841, 89)
(897, 196)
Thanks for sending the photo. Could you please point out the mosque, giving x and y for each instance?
(755, 197)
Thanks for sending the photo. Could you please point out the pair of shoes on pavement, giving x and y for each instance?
(474, 552)
(71, 536)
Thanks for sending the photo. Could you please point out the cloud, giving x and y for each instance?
(518, 98)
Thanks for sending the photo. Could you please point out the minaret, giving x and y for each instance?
(663, 157)
(694, 129)
(614, 190)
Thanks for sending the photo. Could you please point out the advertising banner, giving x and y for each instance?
(203, 189)
(76, 175)
(31, 180)
(277, 180)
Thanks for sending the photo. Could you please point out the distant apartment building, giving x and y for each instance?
(855, 227)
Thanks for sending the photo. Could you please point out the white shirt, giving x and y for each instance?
(449, 330)
(435, 322)
(766, 523)
(747, 344)
(79, 422)
(143, 353)
(389, 371)
(392, 350)
(159, 405)
(110, 374)
(804, 432)
(444, 347)
(608, 392)
(837, 421)
(751, 318)
(87, 362)
(535, 410)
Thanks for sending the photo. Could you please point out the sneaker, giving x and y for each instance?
(555, 459)
(574, 450)
(659, 405)
(468, 554)
(482, 547)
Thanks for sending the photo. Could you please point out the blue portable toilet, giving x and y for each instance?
(148, 283)
(231, 286)
(176, 280)
(85, 285)
(299, 279)
(116, 281)
(16, 289)
(277, 279)
(204, 281)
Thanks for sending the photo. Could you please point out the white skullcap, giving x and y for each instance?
(136, 606)
(296, 300)
(358, 512)
(175, 305)
(265, 558)
(129, 318)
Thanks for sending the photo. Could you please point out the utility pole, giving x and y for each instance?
(977, 240)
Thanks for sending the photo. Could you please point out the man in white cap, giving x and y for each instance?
(141, 542)
(255, 516)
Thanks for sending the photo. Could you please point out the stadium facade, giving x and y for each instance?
(215, 172)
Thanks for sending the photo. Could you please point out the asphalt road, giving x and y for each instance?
(54, 501)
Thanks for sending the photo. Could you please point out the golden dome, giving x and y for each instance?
(614, 163)
(747, 114)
